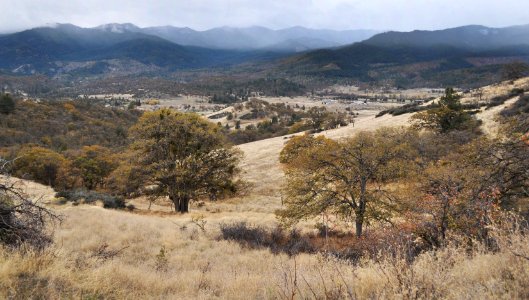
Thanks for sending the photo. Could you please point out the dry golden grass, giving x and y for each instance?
(490, 125)
(488, 116)
(36, 191)
(102, 253)
(261, 161)
(197, 265)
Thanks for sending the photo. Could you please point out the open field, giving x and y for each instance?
(417, 93)
(331, 105)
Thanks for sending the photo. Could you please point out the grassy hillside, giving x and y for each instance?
(100, 253)
(194, 264)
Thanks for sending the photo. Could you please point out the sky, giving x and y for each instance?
(401, 15)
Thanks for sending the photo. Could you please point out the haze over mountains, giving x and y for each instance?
(290, 39)
(125, 49)
(293, 39)
(51, 49)
(442, 57)
(420, 45)
(66, 48)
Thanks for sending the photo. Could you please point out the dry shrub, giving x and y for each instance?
(391, 241)
(23, 222)
(87, 196)
(459, 270)
(277, 240)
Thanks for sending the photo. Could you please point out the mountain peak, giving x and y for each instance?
(119, 27)
(59, 26)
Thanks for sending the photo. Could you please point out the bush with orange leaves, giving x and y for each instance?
(465, 191)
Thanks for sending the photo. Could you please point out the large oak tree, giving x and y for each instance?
(347, 178)
(184, 156)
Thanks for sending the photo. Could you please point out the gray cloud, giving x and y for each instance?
(204, 14)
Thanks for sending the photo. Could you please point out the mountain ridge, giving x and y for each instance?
(413, 58)
(472, 37)
(247, 38)
(398, 58)
(46, 49)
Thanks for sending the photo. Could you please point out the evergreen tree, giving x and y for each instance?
(7, 104)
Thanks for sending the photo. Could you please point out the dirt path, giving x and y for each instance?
(490, 125)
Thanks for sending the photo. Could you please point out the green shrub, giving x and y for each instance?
(407, 108)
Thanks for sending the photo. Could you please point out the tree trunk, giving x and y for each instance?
(361, 209)
(359, 223)
(181, 204)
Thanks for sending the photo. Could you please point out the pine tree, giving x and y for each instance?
(7, 104)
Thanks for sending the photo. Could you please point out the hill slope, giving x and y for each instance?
(468, 37)
(118, 254)
(458, 56)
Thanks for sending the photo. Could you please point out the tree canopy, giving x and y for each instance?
(184, 156)
(93, 164)
(7, 104)
(42, 165)
(345, 178)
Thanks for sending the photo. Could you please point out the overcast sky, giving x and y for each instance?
(401, 15)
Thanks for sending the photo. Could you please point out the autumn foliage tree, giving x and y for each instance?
(184, 156)
(42, 165)
(92, 164)
(346, 178)
(449, 196)
(127, 178)
(463, 191)
(297, 144)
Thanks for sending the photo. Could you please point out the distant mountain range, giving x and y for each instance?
(295, 39)
(66, 48)
(127, 49)
(473, 37)
(395, 57)
(446, 57)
